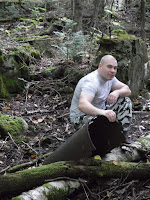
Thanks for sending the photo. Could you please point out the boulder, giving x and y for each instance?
(14, 71)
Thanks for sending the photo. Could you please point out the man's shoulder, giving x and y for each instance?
(91, 76)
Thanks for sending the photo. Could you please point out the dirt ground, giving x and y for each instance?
(47, 114)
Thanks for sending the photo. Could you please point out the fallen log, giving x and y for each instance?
(89, 169)
(51, 190)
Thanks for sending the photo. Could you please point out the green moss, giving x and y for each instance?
(56, 193)
(121, 36)
(118, 32)
(46, 185)
(19, 140)
(74, 74)
(16, 198)
(3, 91)
(24, 53)
(11, 124)
(1, 59)
(14, 85)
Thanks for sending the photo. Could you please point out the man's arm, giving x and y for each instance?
(120, 90)
(86, 107)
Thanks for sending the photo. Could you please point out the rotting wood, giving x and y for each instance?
(88, 169)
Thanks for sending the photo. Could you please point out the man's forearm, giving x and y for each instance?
(89, 109)
(124, 91)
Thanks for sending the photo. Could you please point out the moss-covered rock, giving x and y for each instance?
(73, 74)
(14, 71)
(11, 124)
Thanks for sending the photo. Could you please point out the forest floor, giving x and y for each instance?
(47, 114)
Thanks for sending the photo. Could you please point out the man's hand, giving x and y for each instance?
(112, 97)
(110, 114)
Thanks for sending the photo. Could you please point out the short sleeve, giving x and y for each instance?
(89, 88)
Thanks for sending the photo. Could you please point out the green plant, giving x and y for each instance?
(72, 44)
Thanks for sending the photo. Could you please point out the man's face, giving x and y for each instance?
(108, 70)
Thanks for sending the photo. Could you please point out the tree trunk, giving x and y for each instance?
(142, 18)
(77, 14)
(98, 12)
(90, 169)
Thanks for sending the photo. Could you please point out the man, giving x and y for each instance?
(101, 93)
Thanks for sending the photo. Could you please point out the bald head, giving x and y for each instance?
(105, 59)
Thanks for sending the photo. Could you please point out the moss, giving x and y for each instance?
(3, 91)
(30, 39)
(19, 140)
(118, 32)
(11, 124)
(14, 85)
(24, 53)
(1, 59)
(121, 36)
(74, 75)
(16, 198)
(56, 193)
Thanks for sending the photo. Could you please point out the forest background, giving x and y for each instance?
(54, 43)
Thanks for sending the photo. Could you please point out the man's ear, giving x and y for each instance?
(99, 65)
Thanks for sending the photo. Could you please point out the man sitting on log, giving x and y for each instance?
(101, 93)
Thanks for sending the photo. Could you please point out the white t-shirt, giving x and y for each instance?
(93, 85)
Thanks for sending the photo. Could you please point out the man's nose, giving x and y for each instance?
(113, 70)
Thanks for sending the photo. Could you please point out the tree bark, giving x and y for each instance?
(77, 14)
(58, 189)
(98, 12)
(90, 169)
(142, 18)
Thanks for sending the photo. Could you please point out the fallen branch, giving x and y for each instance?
(51, 190)
(88, 169)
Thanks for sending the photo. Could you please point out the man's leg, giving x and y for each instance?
(123, 110)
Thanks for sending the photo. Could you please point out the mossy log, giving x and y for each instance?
(54, 190)
(90, 169)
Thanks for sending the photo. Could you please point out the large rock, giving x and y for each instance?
(14, 70)
(131, 53)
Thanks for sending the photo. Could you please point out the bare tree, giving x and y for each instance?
(77, 13)
(98, 11)
(142, 18)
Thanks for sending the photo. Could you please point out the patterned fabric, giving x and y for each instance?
(122, 108)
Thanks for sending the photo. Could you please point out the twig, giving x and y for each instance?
(85, 191)
(30, 147)
(4, 170)
(13, 140)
